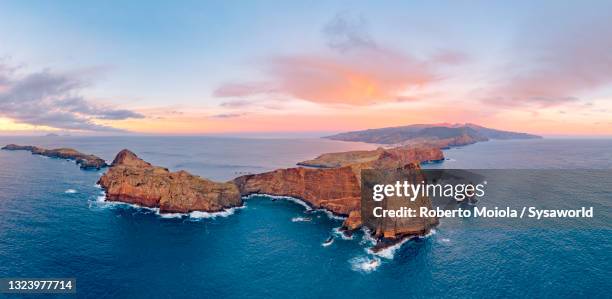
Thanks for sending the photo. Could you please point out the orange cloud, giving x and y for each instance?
(361, 77)
(356, 70)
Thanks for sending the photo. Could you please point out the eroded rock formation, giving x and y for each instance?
(336, 189)
(132, 180)
(339, 189)
(83, 160)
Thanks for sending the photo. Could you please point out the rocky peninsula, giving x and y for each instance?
(132, 180)
(336, 187)
(332, 181)
(85, 161)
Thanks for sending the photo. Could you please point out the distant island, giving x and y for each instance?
(437, 135)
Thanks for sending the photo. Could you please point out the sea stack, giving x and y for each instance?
(132, 180)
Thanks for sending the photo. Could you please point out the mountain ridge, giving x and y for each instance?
(440, 134)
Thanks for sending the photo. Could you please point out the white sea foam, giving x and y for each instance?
(102, 202)
(365, 264)
(205, 215)
(338, 232)
(367, 238)
(327, 243)
(101, 197)
(300, 219)
(300, 202)
(388, 252)
(331, 215)
(445, 240)
(70, 191)
(195, 215)
(293, 199)
(429, 234)
(169, 215)
(297, 201)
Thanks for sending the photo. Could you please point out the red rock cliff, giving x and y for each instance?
(336, 189)
(132, 180)
(339, 191)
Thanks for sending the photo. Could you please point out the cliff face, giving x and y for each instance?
(83, 160)
(391, 229)
(339, 191)
(336, 189)
(132, 180)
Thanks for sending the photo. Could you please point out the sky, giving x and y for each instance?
(256, 67)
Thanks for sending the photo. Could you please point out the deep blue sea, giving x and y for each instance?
(53, 224)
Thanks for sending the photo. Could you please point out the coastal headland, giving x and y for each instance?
(334, 189)
(331, 181)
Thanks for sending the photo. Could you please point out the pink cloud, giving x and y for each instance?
(355, 70)
(360, 77)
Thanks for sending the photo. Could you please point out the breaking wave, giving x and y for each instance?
(337, 231)
(288, 198)
(300, 202)
(331, 215)
(195, 215)
(327, 243)
(365, 264)
(70, 191)
(389, 252)
(367, 238)
(206, 215)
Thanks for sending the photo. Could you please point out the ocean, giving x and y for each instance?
(53, 223)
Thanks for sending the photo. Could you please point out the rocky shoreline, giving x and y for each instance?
(334, 189)
(85, 161)
(334, 185)
(132, 180)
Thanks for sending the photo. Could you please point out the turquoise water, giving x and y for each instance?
(52, 224)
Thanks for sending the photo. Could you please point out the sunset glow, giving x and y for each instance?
(329, 68)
